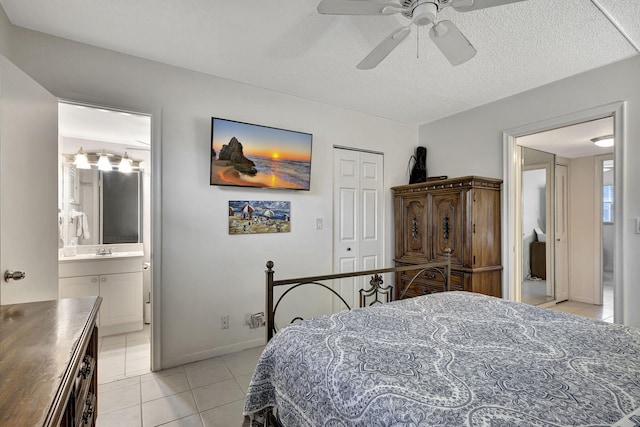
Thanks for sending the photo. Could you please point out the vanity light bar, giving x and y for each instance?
(93, 158)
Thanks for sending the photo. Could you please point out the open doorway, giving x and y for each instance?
(104, 206)
(583, 266)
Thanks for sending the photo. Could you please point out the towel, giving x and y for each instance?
(81, 222)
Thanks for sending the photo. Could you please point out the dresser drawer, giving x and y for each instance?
(429, 282)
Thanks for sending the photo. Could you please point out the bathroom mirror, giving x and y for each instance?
(100, 207)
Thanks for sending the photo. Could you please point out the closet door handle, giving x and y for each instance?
(94, 279)
(103, 279)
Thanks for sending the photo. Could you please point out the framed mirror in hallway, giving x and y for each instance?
(537, 227)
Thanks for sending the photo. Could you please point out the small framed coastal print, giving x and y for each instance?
(247, 155)
(254, 217)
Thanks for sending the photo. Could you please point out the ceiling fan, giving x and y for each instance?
(445, 34)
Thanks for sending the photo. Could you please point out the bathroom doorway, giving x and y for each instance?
(104, 209)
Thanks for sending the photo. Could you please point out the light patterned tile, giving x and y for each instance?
(137, 365)
(594, 312)
(138, 351)
(120, 340)
(190, 421)
(112, 385)
(118, 398)
(110, 352)
(229, 415)
(166, 409)
(244, 381)
(154, 375)
(128, 417)
(110, 369)
(164, 386)
(201, 374)
(243, 366)
(217, 394)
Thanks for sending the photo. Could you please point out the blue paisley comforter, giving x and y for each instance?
(449, 359)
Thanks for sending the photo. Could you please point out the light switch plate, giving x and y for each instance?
(637, 225)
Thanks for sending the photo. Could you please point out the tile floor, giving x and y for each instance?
(209, 393)
(534, 292)
(601, 312)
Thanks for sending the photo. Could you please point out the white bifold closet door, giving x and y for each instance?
(358, 210)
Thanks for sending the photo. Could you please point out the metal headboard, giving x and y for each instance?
(376, 289)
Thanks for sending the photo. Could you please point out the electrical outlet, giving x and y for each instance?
(224, 322)
(318, 223)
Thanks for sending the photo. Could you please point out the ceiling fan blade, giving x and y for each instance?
(384, 48)
(358, 7)
(468, 5)
(451, 42)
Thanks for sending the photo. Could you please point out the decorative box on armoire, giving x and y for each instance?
(462, 214)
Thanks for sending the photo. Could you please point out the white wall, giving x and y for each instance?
(475, 136)
(206, 272)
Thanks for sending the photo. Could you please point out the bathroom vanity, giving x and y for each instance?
(115, 276)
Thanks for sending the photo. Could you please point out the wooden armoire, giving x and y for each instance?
(462, 214)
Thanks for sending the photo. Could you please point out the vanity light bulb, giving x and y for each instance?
(125, 164)
(103, 163)
(81, 161)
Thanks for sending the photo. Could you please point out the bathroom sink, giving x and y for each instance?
(90, 256)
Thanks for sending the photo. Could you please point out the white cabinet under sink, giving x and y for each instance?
(117, 280)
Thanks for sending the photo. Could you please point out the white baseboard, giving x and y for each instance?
(209, 353)
(121, 328)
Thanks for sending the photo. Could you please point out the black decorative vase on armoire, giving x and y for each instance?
(419, 171)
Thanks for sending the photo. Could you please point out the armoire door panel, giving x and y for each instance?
(415, 227)
(447, 226)
(485, 228)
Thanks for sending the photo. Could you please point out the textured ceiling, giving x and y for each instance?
(286, 46)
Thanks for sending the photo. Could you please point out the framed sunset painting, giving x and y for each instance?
(248, 155)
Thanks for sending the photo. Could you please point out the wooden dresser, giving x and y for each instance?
(48, 363)
(462, 214)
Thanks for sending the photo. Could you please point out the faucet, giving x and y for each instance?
(103, 251)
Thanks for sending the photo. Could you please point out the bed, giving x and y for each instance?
(449, 359)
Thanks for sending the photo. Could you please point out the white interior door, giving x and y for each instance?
(28, 187)
(358, 224)
(562, 248)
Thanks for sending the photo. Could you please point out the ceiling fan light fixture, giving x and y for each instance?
(425, 14)
(603, 141)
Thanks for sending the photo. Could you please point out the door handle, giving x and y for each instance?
(10, 275)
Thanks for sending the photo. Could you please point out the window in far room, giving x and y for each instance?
(607, 204)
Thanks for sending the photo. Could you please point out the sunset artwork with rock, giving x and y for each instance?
(249, 155)
(253, 217)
